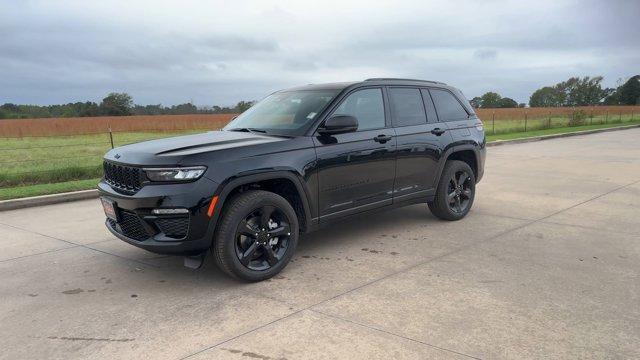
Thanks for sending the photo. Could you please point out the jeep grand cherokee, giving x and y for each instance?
(294, 162)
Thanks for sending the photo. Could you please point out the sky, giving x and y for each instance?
(218, 53)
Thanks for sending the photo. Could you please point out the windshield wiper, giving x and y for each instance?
(249, 130)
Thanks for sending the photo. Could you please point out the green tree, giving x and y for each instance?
(476, 102)
(490, 100)
(116, 104)
(243, 106)
(546, 97)
(573, 92)
(583, 91)
(627, 93)
(506, 102)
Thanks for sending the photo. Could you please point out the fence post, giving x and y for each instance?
(591, 117)
(620, 118)
(493, 123)
(525, 121)
(111, 137)
(573, 113)
(549, 121)
(606, 117)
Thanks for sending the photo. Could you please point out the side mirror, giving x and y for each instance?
(339, 124)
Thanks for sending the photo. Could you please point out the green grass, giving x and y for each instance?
(551, 131)
(41, 160)
(45, 189)
(38, 166)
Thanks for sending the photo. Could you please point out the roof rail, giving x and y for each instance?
(401, 79)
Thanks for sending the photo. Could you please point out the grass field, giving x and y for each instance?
(37, 160)
(32, 166)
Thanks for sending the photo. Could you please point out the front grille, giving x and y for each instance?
(131, 226)
(126, 179)
(176, 228)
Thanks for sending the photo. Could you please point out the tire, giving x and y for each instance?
(453, 200)
(244, 214)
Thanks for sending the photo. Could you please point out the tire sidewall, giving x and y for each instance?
(450, 169)
(252, 201)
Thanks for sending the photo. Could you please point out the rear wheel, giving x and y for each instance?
(455, 192)
(256, 236)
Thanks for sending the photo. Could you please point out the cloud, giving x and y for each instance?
(485, 54)
(222, 52)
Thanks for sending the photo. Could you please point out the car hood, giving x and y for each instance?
(158, 151)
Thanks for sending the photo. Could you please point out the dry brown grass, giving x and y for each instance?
(543, 113)
(96, 125)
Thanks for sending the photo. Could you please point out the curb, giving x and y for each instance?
(558, 136)
(47, 199)
(92, 194)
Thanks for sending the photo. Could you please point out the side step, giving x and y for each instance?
(194, 262)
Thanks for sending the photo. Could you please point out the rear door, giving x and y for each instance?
(453, 114)
(356, 170)
(420, 142)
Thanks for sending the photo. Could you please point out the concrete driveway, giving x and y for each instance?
(547, 264)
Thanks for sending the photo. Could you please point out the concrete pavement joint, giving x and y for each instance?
(393, 334)
(242, 334)
(85, 246)
(592, 228)
(51, 251)
(40, 253)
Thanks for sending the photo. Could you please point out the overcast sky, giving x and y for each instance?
(220, 53)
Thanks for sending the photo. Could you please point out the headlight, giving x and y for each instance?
(175, 174)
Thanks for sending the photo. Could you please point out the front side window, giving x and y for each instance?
(367, 106)
(285, 112)
(448, 107)
(407, 107)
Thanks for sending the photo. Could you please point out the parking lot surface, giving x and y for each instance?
(547, 264)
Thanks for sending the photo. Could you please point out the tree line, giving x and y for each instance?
(114, 104)
(576, 91)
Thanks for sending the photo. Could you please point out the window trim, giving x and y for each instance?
(455, 97)
(424, 90)
(391, 109)
(340, 99)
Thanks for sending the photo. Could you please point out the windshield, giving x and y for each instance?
(283, 113)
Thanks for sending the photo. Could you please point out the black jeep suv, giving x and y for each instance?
(297, 160)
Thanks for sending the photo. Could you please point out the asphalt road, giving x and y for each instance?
(547, 264)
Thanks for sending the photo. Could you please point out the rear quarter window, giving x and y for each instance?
(447, 106)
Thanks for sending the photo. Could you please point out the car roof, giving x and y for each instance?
(371, 81)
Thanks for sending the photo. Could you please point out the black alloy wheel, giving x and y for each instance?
(256, 236)
(262, 238)
(455, 191)
(459, 191)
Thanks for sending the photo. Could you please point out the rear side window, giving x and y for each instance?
(407, 107)
(367, 106)
(448, 107)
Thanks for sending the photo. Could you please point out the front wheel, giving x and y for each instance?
(455, 192)
(257, 235)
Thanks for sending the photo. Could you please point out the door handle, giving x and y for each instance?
(382, 138)
(438, 131)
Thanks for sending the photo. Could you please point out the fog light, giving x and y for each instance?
(169, 211)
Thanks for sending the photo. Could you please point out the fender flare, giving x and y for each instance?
(454, 149)
(225, 188)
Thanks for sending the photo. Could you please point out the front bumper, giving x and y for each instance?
(187, 233)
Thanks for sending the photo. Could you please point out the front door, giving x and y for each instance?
(356, 170)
